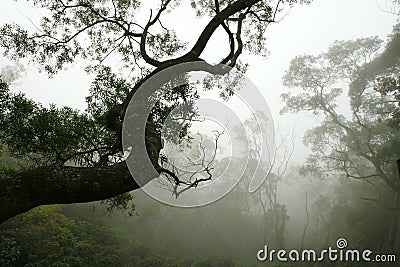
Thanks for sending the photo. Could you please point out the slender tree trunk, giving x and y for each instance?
(305, 225)
(395, 226)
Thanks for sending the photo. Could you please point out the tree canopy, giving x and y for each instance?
(361, 143)
(73, 156)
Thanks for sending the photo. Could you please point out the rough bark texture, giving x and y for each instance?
(60, 185)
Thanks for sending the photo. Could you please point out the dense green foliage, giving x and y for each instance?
(47, 237)
(359, 143)
(105, 34)
(358, 136)
(348, 187)
(228, 233)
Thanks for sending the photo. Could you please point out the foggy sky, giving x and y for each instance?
(304, 30)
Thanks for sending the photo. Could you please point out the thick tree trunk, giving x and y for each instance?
(60, 185)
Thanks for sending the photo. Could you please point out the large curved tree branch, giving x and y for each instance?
(64, 184)
(116, 114)
(151, 22)
(209, 30)
(49, 185)
(59, 185)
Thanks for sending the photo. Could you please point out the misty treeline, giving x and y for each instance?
(77, 156)
(348, 186)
